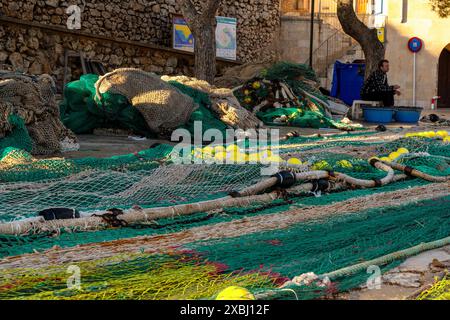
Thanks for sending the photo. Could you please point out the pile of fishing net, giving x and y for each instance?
(288, 94)
(223, 103)
(150, 105)
(29, 115)
(439, 291)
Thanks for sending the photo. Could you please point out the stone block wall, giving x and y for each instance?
(35, 51)
(151, 21)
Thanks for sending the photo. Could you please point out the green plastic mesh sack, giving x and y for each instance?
(82, 113)
(18, 137)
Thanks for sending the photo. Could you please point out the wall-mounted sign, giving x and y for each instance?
(415, 44)
(182, 36)
(381, 34)
(226, 37)
(226, 42)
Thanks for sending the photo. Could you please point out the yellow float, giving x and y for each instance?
(235, 293)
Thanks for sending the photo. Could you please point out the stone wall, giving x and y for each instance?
(34, 51)
(150, 21)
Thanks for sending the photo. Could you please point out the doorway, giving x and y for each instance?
(444, 78)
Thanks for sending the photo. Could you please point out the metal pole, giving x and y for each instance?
(311, 37)
(414, 80)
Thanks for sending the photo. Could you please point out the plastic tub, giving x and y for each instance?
(378, 115)
(408, 114)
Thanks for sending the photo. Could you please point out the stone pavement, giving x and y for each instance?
(408, 280)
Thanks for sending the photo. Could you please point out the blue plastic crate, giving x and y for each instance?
(378, 115)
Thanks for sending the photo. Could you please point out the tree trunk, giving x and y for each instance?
(205, 52)
(203, 27)
(374, 50)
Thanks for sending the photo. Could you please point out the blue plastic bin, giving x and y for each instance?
(378, 115)
(348, 79)
(408, 114)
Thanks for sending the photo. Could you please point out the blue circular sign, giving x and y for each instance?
(415, 44)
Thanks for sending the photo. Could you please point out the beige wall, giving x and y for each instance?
(422, 22)
(295, 38)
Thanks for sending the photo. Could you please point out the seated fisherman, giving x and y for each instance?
(376, 87)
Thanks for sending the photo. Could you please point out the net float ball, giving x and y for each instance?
(208, 150)
(403, 151)
(253, 158)
(430, 134)
(232, 149)
(447, 139)
(219, 149)
(247, 92)
(198, 152)
(294, 161)
(442, 133)
(236, 157)
(345, 164)
(220, 156)
(256, 85)
(394, 155)
(321, 165)
(235, 293)
(248, 100)
(274, 159)
(385, 159)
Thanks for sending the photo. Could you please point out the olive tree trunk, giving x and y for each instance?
(374, 50)
(201, 20)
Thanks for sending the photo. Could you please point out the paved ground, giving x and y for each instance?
(412, 277)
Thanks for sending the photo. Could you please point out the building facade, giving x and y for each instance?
(330, 43)
(415, 18)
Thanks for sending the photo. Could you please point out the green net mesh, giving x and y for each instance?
(304, 108)
(257, 261)
(81, 113)
(17, 138)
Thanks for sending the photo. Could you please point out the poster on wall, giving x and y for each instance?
(226, 42)
(226, 38)
(182, 36)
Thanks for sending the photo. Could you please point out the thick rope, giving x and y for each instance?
(136, 216)
(230, 229)
(351, 270)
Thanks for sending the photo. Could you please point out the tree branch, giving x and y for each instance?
(350, 21)
(210, 8)
(189, 12)
(373, 49)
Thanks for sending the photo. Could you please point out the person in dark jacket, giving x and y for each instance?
(376, 87)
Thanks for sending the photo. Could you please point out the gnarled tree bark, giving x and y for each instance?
(201, 20)
(374, 50)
